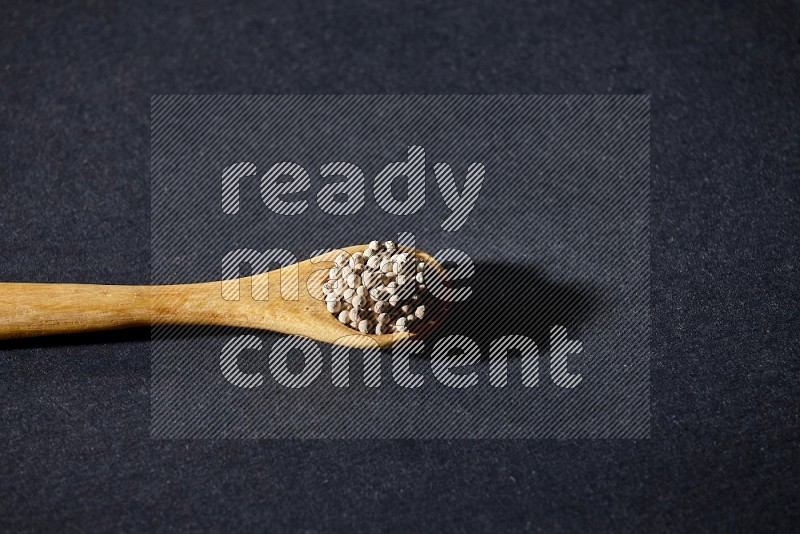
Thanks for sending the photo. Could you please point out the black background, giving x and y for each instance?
(76, 83)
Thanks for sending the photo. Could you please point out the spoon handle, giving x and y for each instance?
(43, 309)
(28, 310)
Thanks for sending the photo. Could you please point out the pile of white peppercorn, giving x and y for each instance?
(378, 291)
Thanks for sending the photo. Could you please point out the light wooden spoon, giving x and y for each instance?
(294, 305)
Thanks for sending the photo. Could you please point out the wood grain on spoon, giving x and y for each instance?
(294, 305)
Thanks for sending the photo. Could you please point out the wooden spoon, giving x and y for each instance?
(298, 308)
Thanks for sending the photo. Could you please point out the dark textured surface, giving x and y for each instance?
(76, 85)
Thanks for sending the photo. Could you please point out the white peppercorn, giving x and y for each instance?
(407, 268)
(343, 317)
(353, 280)
(377, 292)
(369, 279)
(334, 306)
(356, 259)
(364, 326)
